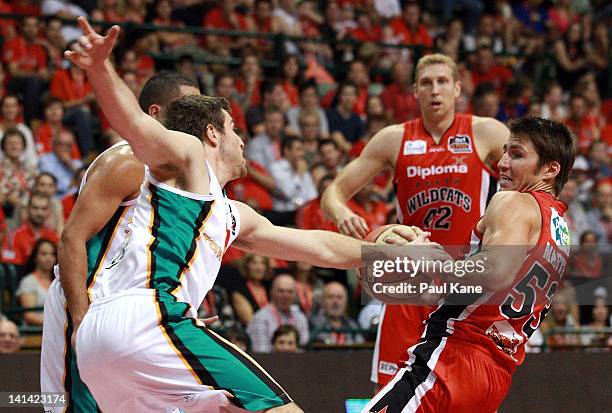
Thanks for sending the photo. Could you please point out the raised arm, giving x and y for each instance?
(95, 206)
(162, 150)
(378, 154)
(491, 136)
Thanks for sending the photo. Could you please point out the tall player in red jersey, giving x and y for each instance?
(473, 342)
(443, 166)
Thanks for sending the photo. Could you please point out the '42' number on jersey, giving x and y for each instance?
(438, 218)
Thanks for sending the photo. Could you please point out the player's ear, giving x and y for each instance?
(211, 135)
(414, 89)
(457, 88)
(155, 110)
(551, 170)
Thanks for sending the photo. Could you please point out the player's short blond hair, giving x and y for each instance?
(435, 59)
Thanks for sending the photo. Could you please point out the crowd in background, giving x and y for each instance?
(303, 117)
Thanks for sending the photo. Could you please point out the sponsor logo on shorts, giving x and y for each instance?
(460, 144)
(387, 368)
(417, 147)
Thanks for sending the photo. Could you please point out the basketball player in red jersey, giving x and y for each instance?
(443, 166)
(473, 342)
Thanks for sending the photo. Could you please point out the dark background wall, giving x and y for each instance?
(321, 381)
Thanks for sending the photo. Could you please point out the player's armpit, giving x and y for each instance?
(491, 136)
(510, 227)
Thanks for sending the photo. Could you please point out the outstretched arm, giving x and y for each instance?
(377, 154)
(316, 247)
(162, 150)
(320, 248)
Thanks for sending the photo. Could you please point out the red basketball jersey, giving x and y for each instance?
(443, 188)
(503, 321)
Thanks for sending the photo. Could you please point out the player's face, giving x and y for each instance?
(232, 148)
(518, 167)
(436, 90)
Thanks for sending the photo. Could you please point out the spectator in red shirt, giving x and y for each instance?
(54, 113)
(225, 16)
(27, 65)
(398, 98)
(17, 246)
(366, 31)
(291, 77)
(585, 125)
(74, 90)
(408, 29)
(486, 70)
(357, 75)
(163, 17)
(262, 18)
(248, 83)
(54, 42)
(224, 87)
(310, 215)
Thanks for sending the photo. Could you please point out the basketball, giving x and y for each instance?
(379, 235)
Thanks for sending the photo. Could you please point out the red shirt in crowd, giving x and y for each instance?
(499, 76)
(66, 88)
(28, 56)
(44, 141)
(241, 88)
(373, 35)
(17, 246)
(248, 191)
(68, 202)
(293, 94)
(406, 35)
(585, 131)
(403, 104)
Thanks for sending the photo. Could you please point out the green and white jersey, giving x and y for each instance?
(106, 242)
(175, 242)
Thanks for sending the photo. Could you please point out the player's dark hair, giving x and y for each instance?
(192, 114)
(284, 330)
(552, 140)
(162, 89)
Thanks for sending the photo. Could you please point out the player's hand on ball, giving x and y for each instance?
(352, 225)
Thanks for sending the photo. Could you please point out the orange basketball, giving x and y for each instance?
(379, 234)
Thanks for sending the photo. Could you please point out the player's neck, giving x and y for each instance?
(437, 126)
(541, 186)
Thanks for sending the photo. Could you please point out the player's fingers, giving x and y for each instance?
(360, 226)
(112, 34)
(405, 232)
(210, 320)
(84, 42)
(85, 26)
(351, 229)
